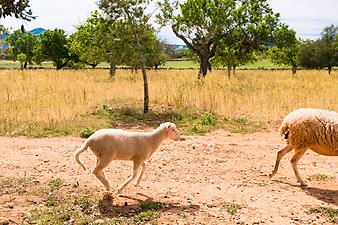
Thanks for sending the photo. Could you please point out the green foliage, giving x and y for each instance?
(55, 183)
(89, 40)
(55, 46)
(320, 177)
(151, 206)
(232, 208)
(322, 52)
(19, 9)
(208, 119)
(22, 58)
(329, 212)
(24, 43)
(144, 216)
(85, 133)
(286, 47)
(207, 26)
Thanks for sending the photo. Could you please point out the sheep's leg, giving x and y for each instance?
(98, 172)
(280, 155)
(136, 170)
(296, 157)
(143, 169)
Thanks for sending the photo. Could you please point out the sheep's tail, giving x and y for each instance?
(78, 152)
(284, 130)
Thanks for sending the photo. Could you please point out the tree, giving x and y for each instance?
(238, 48)
(86, 41)
(328, 43)
(55, 47)
(202, 24)
(285, 49)
(19, 8)
(24, 44)
(320, 53)
(135, 34)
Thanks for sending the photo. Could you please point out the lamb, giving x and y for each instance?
(117, 144)
(307, 128)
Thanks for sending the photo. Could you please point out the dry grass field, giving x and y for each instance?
(49, 102)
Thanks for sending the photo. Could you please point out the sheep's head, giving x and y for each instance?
(173, 132)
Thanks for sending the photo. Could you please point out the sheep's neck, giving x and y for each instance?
(157, 137)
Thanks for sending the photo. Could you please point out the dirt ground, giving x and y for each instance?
(195, 178)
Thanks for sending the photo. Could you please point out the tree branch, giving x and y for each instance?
(185, 41)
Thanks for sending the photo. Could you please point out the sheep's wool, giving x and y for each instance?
(305, 127)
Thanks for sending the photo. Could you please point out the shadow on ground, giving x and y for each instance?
(108, 209)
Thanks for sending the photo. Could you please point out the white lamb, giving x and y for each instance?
(304, 129)
(116, 144)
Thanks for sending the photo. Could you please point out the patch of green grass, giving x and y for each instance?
(242, 125)
(232, 208)
(151, 206)
(11, 185)
(85, 203)
(55, 183)
(330, 213)
(320, 177)
(85, 133)
(145, 216)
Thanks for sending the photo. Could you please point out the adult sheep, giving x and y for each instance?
(116, 144)
(307, 128)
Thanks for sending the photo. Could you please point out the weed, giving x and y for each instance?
(51, 202)
(330, 213)
(85, 133)
(11, 185)
(197, 129)
(320, 177)
(85, 203)
(144, 216)
(151, 206)
(232, 208)
(208, 119)
(55, 183)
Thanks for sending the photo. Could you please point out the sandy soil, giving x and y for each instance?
(194, 178)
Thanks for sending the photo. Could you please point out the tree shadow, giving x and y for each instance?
(325, 195)
(108, 209)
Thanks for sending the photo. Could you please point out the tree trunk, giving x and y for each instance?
(146, 92)
(25, 65)
(294, 69)
(234, 70)
(204, 63)
(93, 65)
(112, 70)
(156, 65)
(229, 71)
(329, 68)
(58, 66)
(209, 67)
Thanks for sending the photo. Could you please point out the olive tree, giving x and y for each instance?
(203, 24)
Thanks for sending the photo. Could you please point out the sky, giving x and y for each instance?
(306, 17)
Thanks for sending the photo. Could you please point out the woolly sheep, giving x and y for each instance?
(117, 144)
(307, 128)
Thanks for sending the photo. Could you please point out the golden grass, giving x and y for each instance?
(50, 98)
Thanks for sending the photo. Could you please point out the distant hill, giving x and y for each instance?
(36, 31)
